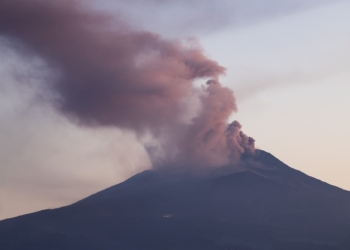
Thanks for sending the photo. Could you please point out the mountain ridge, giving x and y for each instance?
(267, 205)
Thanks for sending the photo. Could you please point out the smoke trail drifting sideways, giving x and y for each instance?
(107, 74)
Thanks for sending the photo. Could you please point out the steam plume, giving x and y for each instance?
(108, 74)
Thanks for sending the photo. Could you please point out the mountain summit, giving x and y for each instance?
(263, 205)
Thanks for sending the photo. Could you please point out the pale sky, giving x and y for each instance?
(289, 66)
(292, 81)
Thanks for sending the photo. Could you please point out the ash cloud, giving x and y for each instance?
(108, 74)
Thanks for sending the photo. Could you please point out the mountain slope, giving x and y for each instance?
(267, 206)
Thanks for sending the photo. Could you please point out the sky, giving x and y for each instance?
(288, 63)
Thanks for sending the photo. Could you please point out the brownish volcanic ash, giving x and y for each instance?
(108, 74)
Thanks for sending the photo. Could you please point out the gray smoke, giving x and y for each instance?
(108, 74)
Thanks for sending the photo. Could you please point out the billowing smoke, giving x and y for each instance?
(107, 74)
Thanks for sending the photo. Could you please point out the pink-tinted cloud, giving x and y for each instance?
(107, 74)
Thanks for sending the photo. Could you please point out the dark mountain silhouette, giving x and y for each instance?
(263, 205)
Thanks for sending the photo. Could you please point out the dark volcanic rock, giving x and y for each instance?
(268, 205)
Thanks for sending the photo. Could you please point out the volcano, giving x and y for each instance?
(259, 204)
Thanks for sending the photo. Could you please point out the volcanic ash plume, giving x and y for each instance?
(106, 74)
